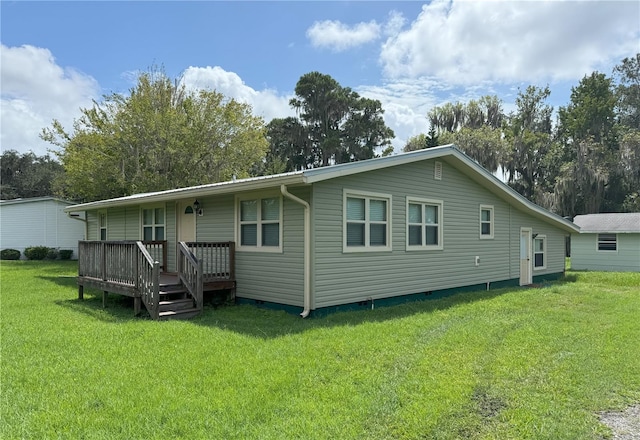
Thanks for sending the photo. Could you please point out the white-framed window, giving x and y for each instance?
(366, 221)
(608, 242)
(486, 221)
(153, 223)
(540, 252)
(259, 223)
(102, 225)
(424, 224)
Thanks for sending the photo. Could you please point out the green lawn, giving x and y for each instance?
(513, 363)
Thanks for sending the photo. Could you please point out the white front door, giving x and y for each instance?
(186, 222)
(525, 256)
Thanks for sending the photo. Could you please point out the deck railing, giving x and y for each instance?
(115, 261)
(190, 273)
(218, 259)
(148, 280)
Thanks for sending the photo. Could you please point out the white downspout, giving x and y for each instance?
(86, 223)
(307, 249)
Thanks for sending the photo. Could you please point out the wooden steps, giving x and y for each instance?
(175, 303)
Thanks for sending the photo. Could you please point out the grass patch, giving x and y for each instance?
(512, 363)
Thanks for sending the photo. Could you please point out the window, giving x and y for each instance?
(539, 252)
(259, 225)
(102, 225)
(607, 242)
(153, 224)
(424, 224)
(486, 221)
(367, 222)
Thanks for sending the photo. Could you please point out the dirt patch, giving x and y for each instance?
(625, 425)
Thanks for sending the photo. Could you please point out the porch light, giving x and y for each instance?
(196, 207)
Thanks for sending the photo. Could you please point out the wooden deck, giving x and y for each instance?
(134, 268)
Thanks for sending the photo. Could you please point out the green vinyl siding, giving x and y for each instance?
(555, 243)
(350, 277)
(585, 256)
(277, 276)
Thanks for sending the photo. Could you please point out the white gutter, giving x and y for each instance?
(307, 249)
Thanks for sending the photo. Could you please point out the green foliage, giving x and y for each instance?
(334, 125)
(474, 127)
(9, 254)
(39, 253)
(514, 363)
(161, 136)
(27, 175)
(65, 254)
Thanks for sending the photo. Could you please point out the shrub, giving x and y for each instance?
(52, 254)
(9, 254)
(37, 252)
(65, 254)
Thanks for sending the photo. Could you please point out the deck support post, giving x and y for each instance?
(104, 299)
(137, 305)
(80, 291)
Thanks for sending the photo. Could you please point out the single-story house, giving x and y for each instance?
(418, 223)
(39, 221)
(609, 242)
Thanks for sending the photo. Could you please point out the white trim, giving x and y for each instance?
(258, 197)
(106, 225)
(606, 251)
(544, 252)
(155, 224)
(367, 196)
(491, 222)
(423, 202)
(529, 263)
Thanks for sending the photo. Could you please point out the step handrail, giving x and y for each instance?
(190, 273)
(148, 280)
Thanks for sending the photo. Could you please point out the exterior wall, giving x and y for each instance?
(265, 276)
(585, 254)
(39, 223)
(555, 241)
(340, 278)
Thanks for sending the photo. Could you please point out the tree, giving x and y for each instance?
(27, 175)
(475, 127)
(160, 136)
(587, 133)
(529, 138)
(334, 125)
(627, 74)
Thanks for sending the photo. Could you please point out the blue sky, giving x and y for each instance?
(58, 56)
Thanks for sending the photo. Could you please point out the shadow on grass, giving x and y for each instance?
(265, 323)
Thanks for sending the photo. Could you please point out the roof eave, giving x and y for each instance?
(182, 193)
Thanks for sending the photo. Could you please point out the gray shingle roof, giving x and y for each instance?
(611, 222)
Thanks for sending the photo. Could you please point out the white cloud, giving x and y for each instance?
(266, 103)
(36, 90)
(338, 36)
(464, 42)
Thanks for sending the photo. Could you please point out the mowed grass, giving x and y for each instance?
(514, 363)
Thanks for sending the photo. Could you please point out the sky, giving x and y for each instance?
(58, 57)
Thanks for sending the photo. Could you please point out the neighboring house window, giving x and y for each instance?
(260, 223)
(367, 222)
(102, 225)
(607, 242)
(540, 252)
(153, 224)
(486, 221)
(424, 224)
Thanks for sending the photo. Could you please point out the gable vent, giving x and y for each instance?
(437, 171)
